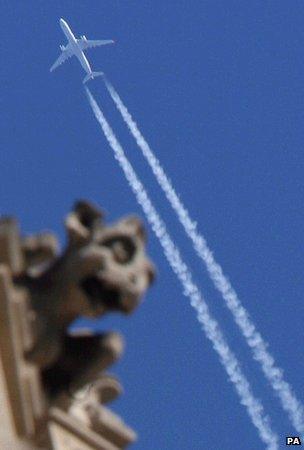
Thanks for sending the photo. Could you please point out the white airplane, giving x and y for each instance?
(76, 47)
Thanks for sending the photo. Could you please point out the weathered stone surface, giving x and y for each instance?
(82, 360)
(104, 268)
(52, 384)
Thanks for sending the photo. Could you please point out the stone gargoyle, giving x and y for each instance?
(103, 268)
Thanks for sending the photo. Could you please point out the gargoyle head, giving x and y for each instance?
(103, 268)
(108, 263)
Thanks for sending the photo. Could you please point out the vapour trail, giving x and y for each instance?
(210, 326)
(255, 341)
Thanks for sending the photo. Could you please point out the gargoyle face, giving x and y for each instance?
(103, 268)
(112, 267)
(123, 272)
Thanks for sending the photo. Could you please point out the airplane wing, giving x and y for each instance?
(84, 44)
(66, 54)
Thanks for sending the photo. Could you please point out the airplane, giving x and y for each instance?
(76, 47)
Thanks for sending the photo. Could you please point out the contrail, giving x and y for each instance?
(172, 254)
(272, 372)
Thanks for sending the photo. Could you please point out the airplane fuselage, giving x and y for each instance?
(75, 47)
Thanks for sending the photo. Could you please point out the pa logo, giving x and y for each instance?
(293, 440)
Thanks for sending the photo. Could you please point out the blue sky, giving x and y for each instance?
(217, 89)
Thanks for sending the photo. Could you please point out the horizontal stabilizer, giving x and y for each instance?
(92, 75)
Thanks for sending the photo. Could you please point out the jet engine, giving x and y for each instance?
(62, 47)
(84, 38)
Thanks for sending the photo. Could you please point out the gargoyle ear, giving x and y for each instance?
(136, 226)
(77, 233)
(82, 222)
(89, 215)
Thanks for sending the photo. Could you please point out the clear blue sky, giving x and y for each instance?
(217, 89)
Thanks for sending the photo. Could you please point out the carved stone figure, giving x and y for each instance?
(104, 268)
(53, 379)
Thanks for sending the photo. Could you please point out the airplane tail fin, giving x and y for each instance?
(92, 75)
